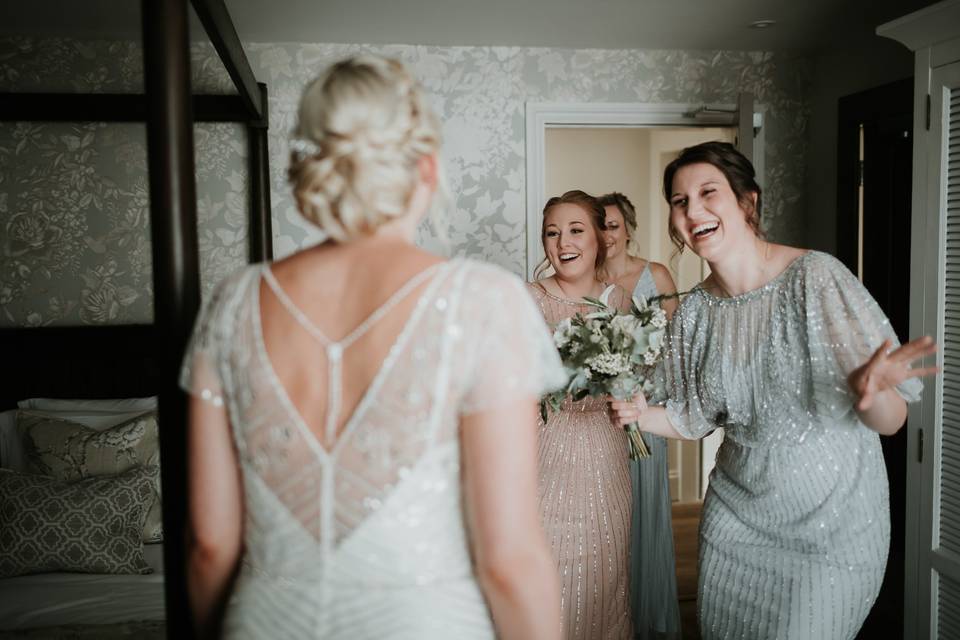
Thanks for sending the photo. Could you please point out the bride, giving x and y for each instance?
(363, 420)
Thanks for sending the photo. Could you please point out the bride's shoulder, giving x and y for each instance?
(237, 284)
(487, 285)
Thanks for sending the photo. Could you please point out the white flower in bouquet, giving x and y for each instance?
(610, 364)
(651, 357)
(563, 333)
(625, 324)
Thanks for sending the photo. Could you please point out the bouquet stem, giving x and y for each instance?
(638, 448)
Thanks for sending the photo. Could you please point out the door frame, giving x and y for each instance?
(873, 108)
(893, 98)
(543, 115)
(925, 557)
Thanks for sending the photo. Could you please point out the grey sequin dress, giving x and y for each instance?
(585, 502)
(653, 577)
(795, 525)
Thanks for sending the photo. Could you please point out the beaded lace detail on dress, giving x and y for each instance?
(335, 348)
(366, 538)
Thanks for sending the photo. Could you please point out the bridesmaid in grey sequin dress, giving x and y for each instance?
(585, 494)
(653, 577)
(788, 353)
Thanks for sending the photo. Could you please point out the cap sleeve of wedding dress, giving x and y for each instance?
(200, 373)
(511, 354)
(845, 326)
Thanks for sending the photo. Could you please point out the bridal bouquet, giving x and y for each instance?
(609, 353)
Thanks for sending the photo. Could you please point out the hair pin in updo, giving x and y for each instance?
(304, 147)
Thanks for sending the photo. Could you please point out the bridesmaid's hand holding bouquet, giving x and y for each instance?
(610, 353)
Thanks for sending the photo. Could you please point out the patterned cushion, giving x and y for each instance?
(92, 525)
(69, 451)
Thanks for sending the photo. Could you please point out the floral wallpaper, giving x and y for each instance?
(74, 219)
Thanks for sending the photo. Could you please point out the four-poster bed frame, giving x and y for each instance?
(96, 361)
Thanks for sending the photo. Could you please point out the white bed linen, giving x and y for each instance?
(52, 599)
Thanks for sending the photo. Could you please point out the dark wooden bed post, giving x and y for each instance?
(94, 362)
(261, 229)
(216, 20)
(176, 281)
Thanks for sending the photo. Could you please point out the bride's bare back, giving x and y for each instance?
(357, 297)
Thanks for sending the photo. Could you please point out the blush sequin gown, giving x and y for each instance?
(585, 503)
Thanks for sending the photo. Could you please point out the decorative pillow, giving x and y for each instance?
(69, 451)
(92, 525)
(12, 454)
(98, 420)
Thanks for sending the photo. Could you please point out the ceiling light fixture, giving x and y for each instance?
(762, 24)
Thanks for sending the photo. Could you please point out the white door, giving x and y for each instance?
(933, 477)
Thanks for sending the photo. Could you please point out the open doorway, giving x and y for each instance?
(874, 189)
(631, 160)
(688, 124)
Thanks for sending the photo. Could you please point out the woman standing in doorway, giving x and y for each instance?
(585, 494)
(788, 352)
(653, 578)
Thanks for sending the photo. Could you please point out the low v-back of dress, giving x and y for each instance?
(334, 427)
(367, 539)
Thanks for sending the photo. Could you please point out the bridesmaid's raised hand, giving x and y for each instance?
(886, 370)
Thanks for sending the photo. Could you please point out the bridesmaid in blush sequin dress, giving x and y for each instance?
(585, 492)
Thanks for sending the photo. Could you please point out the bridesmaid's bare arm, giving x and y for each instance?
(666, 286)
(650, 419)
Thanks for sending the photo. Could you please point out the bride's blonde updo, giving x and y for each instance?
(362, 127)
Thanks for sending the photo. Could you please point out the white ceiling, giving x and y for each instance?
(802, 25)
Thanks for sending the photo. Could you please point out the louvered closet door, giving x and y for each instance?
(939, 558)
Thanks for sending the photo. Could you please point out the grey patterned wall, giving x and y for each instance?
(73, 198)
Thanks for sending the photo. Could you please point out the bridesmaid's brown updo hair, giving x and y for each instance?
(738, 171)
